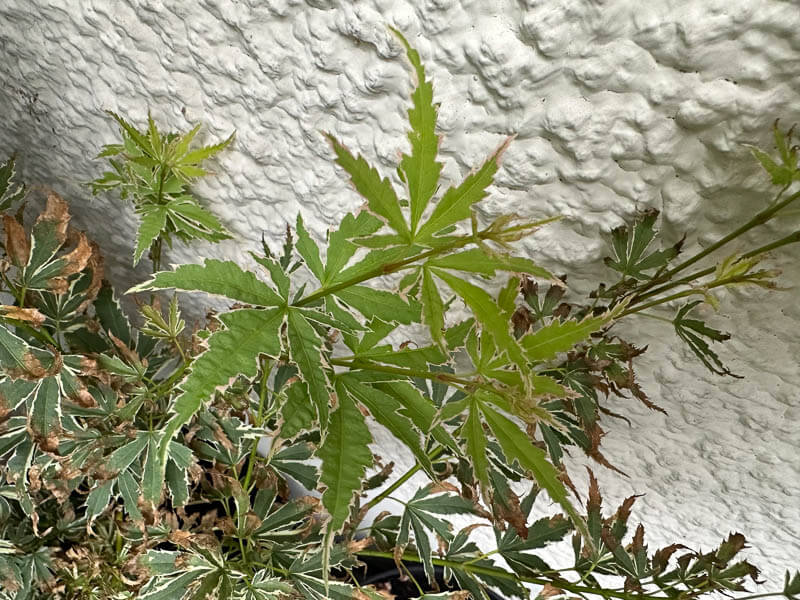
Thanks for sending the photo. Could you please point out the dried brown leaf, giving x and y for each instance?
(595, 434)
(29, 315)
(78, 258)
(549, 591)
(57, 212)
(18, 247)
(595, 501)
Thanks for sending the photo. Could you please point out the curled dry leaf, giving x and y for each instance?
(18, 247)
(29, 315)
(57, 212)
(77, 259)
(549, 591)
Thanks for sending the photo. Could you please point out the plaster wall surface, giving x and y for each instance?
(617, 106)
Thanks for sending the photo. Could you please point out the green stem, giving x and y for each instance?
(759, 219)
(507, 575)
(262, 397)
(168, 383)
(792, 238)
(386, 269)
(433, 454)
(683, 294)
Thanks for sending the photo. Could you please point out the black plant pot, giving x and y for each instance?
(384, 572)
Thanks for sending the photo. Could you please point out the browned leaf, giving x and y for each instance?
(638, 539)
(128, 354)
(661, 557)
(521, 321)
(180, 538)
(18, 247)
(77, 259)
(508, 509)
(29, 315)
(356, 546)
(549, 591)
(57, 212)
(595, 434)
(97, 266)
(624, 511)
(595, 501)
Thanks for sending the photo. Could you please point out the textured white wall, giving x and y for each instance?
(617, 105)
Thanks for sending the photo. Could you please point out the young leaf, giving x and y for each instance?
(787, 171)
(456, 204)
(791, 585)
(421, 169)
(215, 277)
(345, 456)
(377, 191)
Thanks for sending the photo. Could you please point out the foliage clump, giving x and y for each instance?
(130, 463)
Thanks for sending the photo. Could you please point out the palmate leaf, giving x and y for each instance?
(631, 243)
(515, 550)
(787, 170)
(697, 336)
(418, 518)
(420, 169)
(345, 456)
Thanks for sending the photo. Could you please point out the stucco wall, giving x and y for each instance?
(617, 105)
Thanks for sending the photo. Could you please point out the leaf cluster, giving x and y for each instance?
(134, 462)
(154, 169)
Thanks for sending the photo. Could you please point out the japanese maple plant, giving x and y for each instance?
(130, 463)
